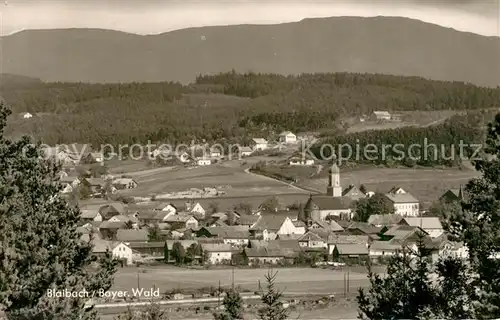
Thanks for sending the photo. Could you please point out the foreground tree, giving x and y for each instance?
(271, 298)
(178, 252)
(469, 289)
(233, 307)
(376, 204)
(40, 248)
(411, 291)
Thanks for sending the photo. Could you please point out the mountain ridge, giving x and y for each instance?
(390, 45)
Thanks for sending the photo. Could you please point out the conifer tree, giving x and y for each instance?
(233, 307)
(40, 248)
(273, 307)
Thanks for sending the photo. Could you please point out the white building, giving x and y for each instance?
(122, 251)
(26, 115)
(405, 204)
(259, 144)
(287, 137)
(203, 162)
(381, 115)
(217, 253)
(268, 227)
(245, 151)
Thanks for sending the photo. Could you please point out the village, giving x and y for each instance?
(178, 229)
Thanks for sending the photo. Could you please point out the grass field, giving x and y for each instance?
(296, 281)
(426, 185)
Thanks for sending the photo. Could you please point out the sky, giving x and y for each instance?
(157, 16)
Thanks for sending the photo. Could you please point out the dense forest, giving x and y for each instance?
(228, 107)
(410, 146)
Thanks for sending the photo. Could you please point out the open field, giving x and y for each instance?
(426, 185)
(410, 118)
(233, 180)
(296, 281)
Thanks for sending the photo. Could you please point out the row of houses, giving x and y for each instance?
(280, 238)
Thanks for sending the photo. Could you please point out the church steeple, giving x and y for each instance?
(334, 189)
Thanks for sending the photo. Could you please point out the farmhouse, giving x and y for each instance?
(217, 253)
(195, 208)
(287, 137)
(129, 236)
(380, 115)
(150, 217)
(336, 239)
(124, 183)
(26, 115)
(259, 144)
(431, 225)
(349, 251)
(272, 252)
(234, 235)
(168, 207)
(149, 249)
(404, 204)
(119, 250)
(90, 215)
(269, 226)
(312, 240)
(245, 151)
(353, 192)
(181, 221)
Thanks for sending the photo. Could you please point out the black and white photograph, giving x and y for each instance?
(249, 159)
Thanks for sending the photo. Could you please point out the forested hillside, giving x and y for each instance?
(444, 144)
(227, 106)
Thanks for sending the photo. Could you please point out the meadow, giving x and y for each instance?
(293, 281)
(427, 185)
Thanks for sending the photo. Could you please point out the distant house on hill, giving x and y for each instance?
(380, 116)
(287, 137)
(26, 115)
(301, 160)
(259, 144)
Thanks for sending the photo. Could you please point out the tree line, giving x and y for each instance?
(169, 112)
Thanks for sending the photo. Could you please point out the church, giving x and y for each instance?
(333, 203)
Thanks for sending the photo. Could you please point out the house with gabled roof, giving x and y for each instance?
(345, 251)
(431, 225)
(269, 226)
(111, 209)
(312, 240)
(245, 151)
(119, 250)
(287, 137)
(259, 144)
(88, 215)
(404, 204)
(218, 252)
(353, 193)
(181, 221)
(130, 235)
(124, 183)
(454, 195)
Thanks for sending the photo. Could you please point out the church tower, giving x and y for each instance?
(334, 189)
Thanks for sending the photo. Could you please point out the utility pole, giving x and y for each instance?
(233, 278)
(218, 296)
